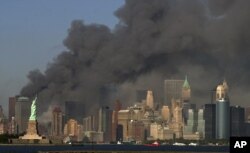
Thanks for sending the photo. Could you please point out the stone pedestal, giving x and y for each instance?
(32, 132)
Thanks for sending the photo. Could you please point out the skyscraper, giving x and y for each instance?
(12, 103)
(201, 123)
(185, 107)
(192, 122)
(186, 91)
(105, 123)
(124, 118)
(71, 128)
(210, 120)
(150, 99)
(57, 124)
(89, 123)
(22, 113)
(237, 124)
(117, 108)
(172, 89)
(222, 112)
(177, 120)
(165, 113)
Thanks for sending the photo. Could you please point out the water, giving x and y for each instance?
(36, 148)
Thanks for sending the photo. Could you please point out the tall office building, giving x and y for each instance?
(185, 107)
(136, 130)
(222, 112)
(124, 118)
(105, 123)
(150, 99)
(210, 120)
(186, 91)
(201, 123)
(71, 128)
(74, 110)
(177, 120)
(222, 91)
(3, 122)
(12, 103)
(192, 122)
(89, 123)
(117, 108)
(57, 123)
(172, 89)
(165, 113)
(237, 122)
(22, 113)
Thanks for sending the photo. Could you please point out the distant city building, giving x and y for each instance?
(136, 130)
(185, 107)
(192, 122)
(201, 123)
(12, 126)
(154, 127)
(22, 113)
(89, 123)
(12, 103)
(165, 133)
(117, 108)
(247, 129)
(237, 122)
(74, 110)
(247, 114)
(172, 89)
(150, 99)
(210, 120)
(124, 118)
(105, 123)
(1, 113)
(165, 113)
(186, 91)
(222, 91)
(71, 128)
(57, 129)
(177, 120)
(3, 122)
(222, 112)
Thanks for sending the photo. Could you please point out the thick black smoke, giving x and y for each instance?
(154, 40)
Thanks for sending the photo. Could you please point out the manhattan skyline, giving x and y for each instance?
(133, 44)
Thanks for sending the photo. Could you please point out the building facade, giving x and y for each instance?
(22, 113)
(210, 120)
(12, 103)
(222, 119)
(237, 122)
(172, 89)
(57, 122)
(105, 123)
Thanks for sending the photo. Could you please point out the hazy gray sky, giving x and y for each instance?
(31, 35)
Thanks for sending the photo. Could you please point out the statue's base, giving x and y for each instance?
(32, 132)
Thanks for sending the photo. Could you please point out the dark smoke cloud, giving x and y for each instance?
(154, 40)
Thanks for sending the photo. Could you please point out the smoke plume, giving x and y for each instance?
(207, 40)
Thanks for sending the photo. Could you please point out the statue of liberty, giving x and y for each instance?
(33, 110)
